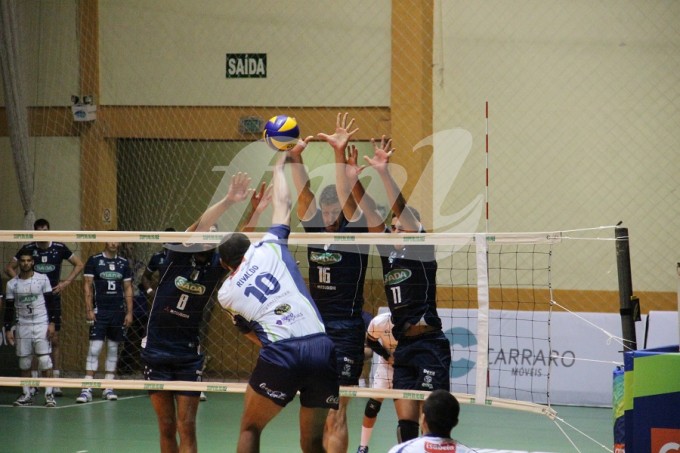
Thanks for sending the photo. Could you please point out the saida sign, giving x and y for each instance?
(246, 65)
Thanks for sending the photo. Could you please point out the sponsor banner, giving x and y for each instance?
(581, 354)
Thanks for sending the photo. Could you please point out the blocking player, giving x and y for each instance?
(268, 300)
(108, 303)
(171, 348)
(422, 357)
(49, 257)
(336, 271)
(30, 322)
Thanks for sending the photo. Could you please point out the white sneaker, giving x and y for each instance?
(24, 400)
(56, 391)
(109, 395)
(203, 397)
(49, 400)
(85, 396)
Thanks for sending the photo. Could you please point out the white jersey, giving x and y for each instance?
(268, 294)
(380, 328)
(430, 444)
(29, 302)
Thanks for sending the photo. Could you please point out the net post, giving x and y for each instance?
(629, 305)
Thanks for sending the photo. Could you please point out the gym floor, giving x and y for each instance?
(129, 425)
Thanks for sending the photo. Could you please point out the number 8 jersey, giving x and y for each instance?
(267, 293)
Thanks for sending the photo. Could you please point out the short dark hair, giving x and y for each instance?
(441, 410)
(24, 251)
(232, 249)
(329, 195)
(41, 223)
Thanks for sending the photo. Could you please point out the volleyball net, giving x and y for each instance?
(496, 296)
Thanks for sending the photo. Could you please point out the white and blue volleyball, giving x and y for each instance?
(281, 132)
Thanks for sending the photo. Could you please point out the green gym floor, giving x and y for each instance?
(129, 425)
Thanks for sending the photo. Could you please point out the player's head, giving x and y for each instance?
(440, 413)
(232, 249)
(396, 225)
(331, 210)
(25, 260)
(41, 224)
(111, 247)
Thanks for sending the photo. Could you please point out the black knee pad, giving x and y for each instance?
(372, 408)
(407, 430)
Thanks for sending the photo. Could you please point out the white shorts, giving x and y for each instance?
(382, 376)
(31, 339)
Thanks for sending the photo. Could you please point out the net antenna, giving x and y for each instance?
(629, 303)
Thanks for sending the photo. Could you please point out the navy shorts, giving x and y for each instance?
(109, 325)
(349, 337)
(423, 362)
(163, 366)
(304, 364)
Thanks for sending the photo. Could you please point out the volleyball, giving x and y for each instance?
(281, 132)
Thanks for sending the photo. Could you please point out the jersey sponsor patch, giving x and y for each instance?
(325, 258)
(186, 285)
(397, 276)
(446, 447)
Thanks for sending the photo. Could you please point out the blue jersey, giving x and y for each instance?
(157, 261)
(109, 275)
(337, 271)
(48, 261)
(267, 293)
(409, 276)
(177, 309)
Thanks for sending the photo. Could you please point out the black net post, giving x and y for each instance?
(629, 305)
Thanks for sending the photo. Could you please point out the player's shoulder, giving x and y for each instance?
(59, 246)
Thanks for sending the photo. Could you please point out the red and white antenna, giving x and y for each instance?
(486, 193)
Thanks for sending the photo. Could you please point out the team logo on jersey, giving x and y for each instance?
(325, 258)
(44, 268)
(281, 309)
(27, 298)
(111, 275)
(397, 276)
(184, 284)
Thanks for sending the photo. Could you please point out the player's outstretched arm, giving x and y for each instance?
(380, 162)
(338, 141)
(258, 203)
(306, 204)
(280, 194)
(374, 220)
(238, 191)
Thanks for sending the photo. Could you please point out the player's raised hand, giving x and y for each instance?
(261, 198)
(352, 168)
(299, 147)
(239, 188)
(343, 132)
(381, 154)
